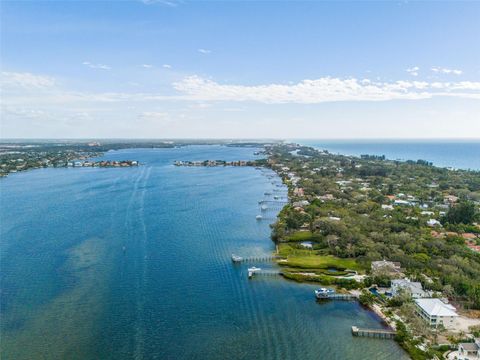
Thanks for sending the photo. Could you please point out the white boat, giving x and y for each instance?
(264, 207)
(236, 258)
(258, 217)
(324, 293)
(252, 271)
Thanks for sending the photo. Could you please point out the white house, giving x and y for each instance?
(436, 313)
(433, 222)
(402, 203)
(414, 289)
(469, 351)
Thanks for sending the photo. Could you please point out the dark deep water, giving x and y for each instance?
(69, 291)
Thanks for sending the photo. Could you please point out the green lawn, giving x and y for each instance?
(308, 259)
(303, 236)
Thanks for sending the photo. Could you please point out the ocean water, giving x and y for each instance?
(69, 290)
(456, 154)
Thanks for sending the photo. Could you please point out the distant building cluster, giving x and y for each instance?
(109, 163)
(215, 163)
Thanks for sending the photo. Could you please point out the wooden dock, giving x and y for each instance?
(336, 296)
(273, 201)
(374, 333)
(239, 259)
(342, 297)
(263, 272)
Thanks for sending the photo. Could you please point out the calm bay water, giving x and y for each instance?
(456, 154)
(70, 291)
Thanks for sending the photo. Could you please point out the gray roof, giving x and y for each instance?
(469, 346)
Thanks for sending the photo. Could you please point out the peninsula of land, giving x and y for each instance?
(403, 236)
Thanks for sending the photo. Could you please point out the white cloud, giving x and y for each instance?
(96, 66)
(204, 51)
(441, 70)
(167, 66)
(322, 90)
(413, 70)
(38, 90)
(26, 80)
(147, 66)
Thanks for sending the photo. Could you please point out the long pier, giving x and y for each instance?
(274, 207)
(374, 333)
(273, 201)
(239, 259)
(257, 271)
(336, 296)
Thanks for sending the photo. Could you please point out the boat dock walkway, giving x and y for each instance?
(240, 259)
(374, 333)
(257, 271)
(273, 201)
(336, 296)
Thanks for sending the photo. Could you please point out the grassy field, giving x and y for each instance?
(303, 236)
(309, 259)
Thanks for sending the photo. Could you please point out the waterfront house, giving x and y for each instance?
(413, 288)
(436, 313)
(469, 351)
(433, 222)
(298, 192)
(384, 267)
(301, 203)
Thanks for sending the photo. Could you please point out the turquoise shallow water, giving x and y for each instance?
(69, 291)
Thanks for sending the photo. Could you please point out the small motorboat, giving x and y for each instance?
(236, 258)
(252, 271)
(264, 207)
(324, 293)
(259, 217)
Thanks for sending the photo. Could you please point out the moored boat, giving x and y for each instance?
(252, 271)
(236, 258)
(324, 293)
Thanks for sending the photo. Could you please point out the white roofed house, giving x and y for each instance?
(414, 289)
(436, 313)
(433, 222)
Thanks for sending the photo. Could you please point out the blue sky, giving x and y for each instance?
(240, 69)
